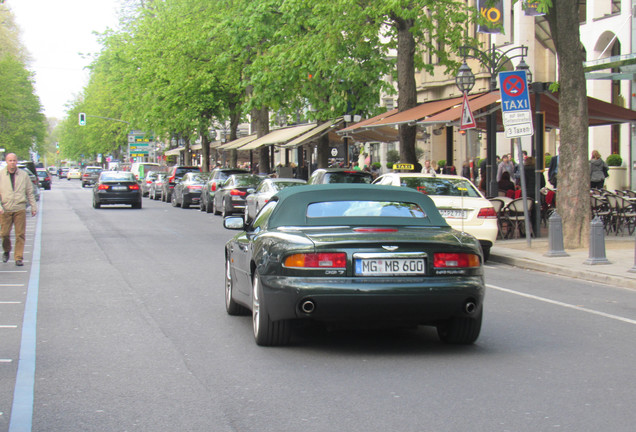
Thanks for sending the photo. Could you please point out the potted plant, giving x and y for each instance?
(617, 179)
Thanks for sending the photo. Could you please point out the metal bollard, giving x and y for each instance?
(633, 269)
(597, 243)
(555, 236)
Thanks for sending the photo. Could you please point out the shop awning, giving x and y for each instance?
(477, 103)
(418, 113)
(237, 143)
(313, 134)
(174, 151)
(279, 136)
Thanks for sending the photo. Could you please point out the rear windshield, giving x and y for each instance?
(42, 174)
(348, 177)
(365, 208)
(441, 186)
(180, 172)
(247, 180)
(93, 170)
(118, 176)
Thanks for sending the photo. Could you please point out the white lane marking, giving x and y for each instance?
(10, 302)
(6, 360)
(8, 326)
(565, 305)
(11, 285)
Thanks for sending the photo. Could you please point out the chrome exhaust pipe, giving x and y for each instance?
(308, 306)
(470, 307)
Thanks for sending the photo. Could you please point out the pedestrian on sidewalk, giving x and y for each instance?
(16, 190)
(598, 171)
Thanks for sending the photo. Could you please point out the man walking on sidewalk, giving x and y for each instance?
(15, 190)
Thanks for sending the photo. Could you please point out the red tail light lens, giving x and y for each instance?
(213, 187)
(103, 187)
(487, 213)
(195, 187)
(236, 192)
(455, 260)
(133, 187)
(317, 260)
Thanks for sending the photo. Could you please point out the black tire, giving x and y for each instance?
(173, 201)
(266, 331)
(460, 330)
(214, 209)
(208, 209)
(96, 204)
(486, 251)
(246, 216)
(184, 204)
(231, 306)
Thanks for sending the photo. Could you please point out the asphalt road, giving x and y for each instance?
(132, 335)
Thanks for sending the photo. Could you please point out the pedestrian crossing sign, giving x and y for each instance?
(467, 118)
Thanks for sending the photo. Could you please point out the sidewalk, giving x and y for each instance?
(619, 250)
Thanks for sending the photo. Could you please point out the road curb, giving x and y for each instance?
(576, 273)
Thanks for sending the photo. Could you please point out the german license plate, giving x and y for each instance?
(454, 213)
(390, 267)
(120, 188)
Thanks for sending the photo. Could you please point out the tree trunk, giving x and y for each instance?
(260, 124)
(235, 119)
(187, 156)
(407, 91)
(573, 197)
(205, 151)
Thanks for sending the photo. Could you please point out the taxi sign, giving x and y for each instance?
(516, 111)
(403, 166)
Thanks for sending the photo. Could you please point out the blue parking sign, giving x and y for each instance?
(514, 91)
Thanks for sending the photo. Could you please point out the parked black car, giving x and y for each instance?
(187, 191)
(117, 187)
(176, 172)
(44, 178)
(217, 178)
(230, 196)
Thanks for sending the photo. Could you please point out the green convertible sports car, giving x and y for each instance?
(361, 254)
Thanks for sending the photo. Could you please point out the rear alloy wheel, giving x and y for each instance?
(174, 201)
(460, 330)
(266, 331)
(214, 210)
(231, 306)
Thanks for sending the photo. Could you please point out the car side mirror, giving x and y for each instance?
(251, 190)
(234, 223)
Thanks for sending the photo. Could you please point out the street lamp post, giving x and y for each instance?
(494, 61)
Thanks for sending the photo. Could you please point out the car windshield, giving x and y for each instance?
(93, 170)
(118, 176)
(441, 186)
(365, 208)
(348, 177)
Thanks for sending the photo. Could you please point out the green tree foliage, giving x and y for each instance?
(22, 125)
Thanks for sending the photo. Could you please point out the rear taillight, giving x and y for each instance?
(236, 192)
(103, 187)
(133, 187)
(455, 260)
(148, 181)
(487, 213)
(317, 260)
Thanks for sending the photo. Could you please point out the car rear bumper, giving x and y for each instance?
(486, 232)
(413, 301)
(118, 198)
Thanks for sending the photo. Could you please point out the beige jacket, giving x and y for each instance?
(15, 200)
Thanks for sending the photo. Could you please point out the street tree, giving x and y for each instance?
(573, 203)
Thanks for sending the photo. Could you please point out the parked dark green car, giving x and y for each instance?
(361, 254)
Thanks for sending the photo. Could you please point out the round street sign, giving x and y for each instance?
(513, 85)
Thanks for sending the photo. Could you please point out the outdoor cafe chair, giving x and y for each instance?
(513, 215)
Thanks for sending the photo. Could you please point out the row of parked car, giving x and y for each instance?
(229, 191)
